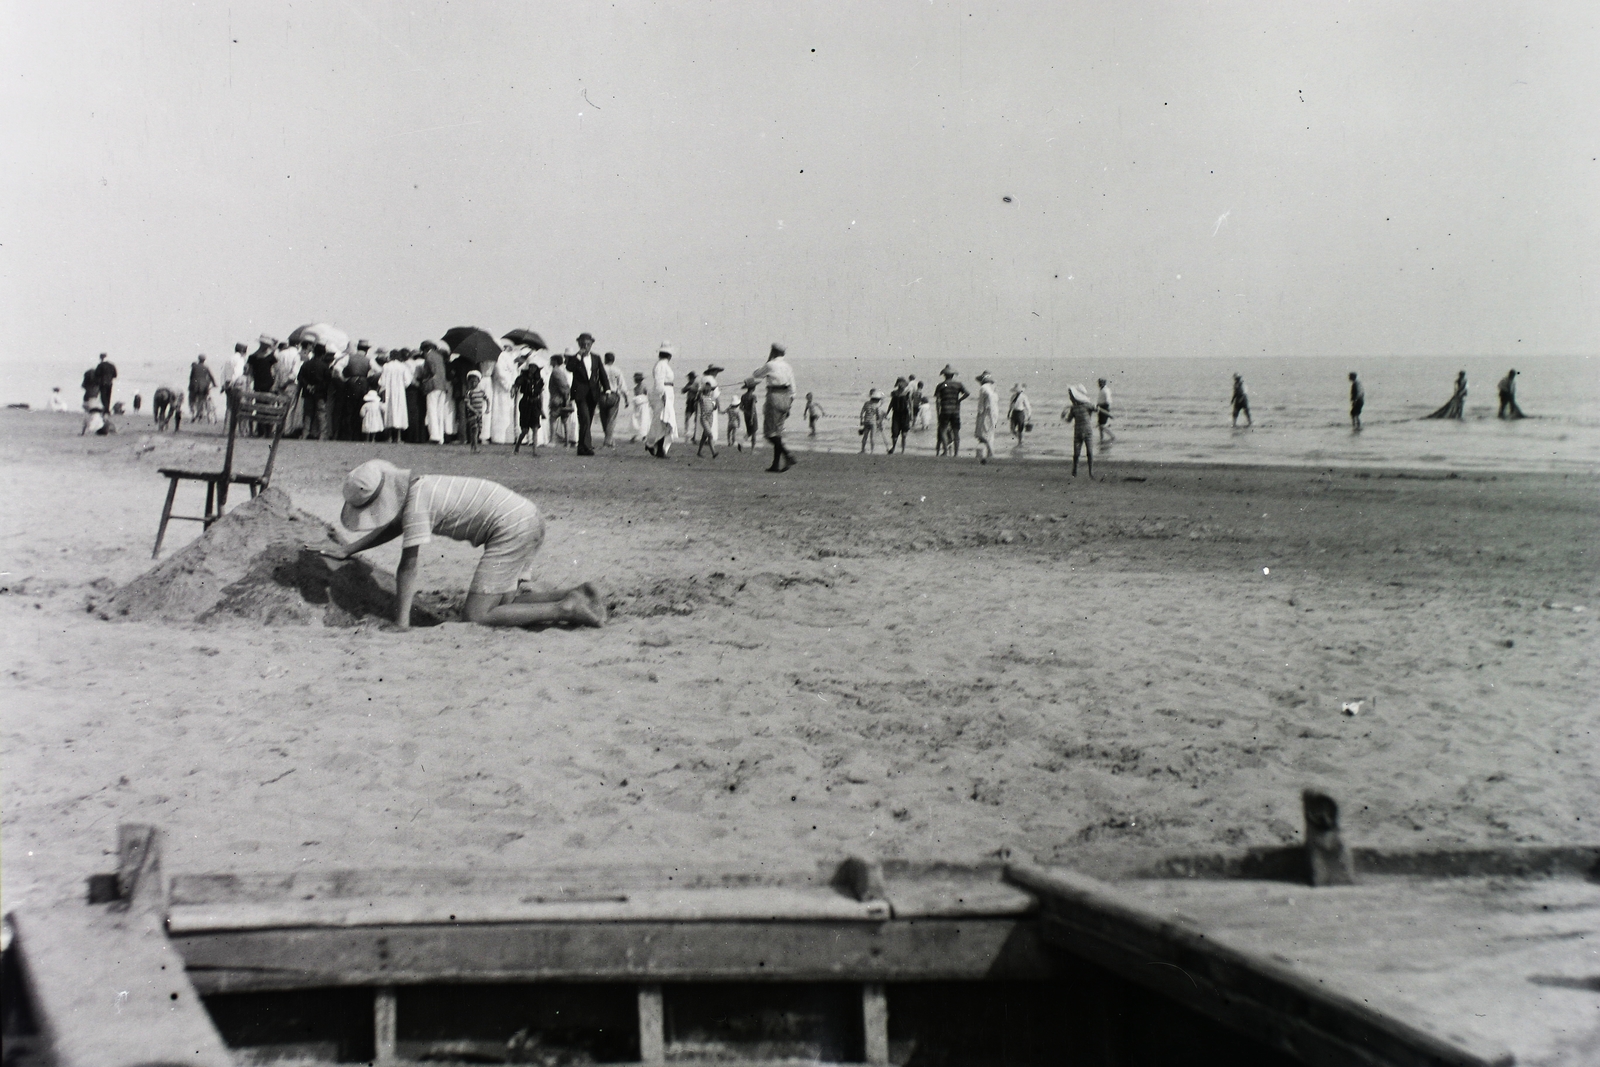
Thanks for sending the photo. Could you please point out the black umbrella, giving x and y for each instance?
(473, 344)
(532, 340)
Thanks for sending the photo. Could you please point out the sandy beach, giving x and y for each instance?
(896, 655)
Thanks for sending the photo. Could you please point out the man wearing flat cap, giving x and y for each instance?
(780, 398)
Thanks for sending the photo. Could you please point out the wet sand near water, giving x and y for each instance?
(899, 655)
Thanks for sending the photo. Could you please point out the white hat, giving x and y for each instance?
(1079, 394)
(374, 493)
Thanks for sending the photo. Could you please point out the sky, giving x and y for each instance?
(902, 178)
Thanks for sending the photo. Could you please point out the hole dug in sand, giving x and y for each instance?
(252, 566)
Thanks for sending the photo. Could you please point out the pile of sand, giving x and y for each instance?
(253, 565)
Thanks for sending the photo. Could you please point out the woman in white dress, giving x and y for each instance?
(503, 404)
(641, 407)
(392, 383)
(988, 416)
(663, 406)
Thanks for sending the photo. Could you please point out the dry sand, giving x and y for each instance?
(901, 655)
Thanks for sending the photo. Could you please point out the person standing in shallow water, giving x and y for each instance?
(948, 395)
(780, 399)
(811, 413)
(1508, 397)
(385, 502)
(1358, 400)
(1021, 412)
(1081, 411)
(899, 414)
(1103, 406)
(984, 426)
(1455, 407)
(1241, 402)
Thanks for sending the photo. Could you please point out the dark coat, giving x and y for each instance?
(584, 386)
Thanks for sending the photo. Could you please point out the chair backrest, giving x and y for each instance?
(268, 410)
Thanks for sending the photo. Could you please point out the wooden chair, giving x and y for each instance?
(246, 409)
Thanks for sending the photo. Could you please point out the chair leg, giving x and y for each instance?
(211, 495)
(166, 516)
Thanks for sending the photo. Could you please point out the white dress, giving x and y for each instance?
(641, 414)
(392, 381)
(502, 428)
(988, 412)
(372, 413)
(663, 405)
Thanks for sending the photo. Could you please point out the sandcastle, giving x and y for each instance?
(253, 565)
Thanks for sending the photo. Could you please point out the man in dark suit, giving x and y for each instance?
(105, 372)
(589, 383)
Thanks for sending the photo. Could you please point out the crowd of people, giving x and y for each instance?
(516, 393)
(510, 393)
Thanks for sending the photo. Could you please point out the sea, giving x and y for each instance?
(1177, 410)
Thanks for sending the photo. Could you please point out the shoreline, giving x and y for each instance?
(1441, 469)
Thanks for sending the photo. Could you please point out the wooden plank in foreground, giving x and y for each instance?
(108, 990)
(1171, 953)
(694, 905)
(950, 949)
(1510, 961)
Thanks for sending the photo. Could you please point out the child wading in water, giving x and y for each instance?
(1082, 414)
(872, 421)
(899, 414)
(813, 413)
(1021, 412)
(477, 406)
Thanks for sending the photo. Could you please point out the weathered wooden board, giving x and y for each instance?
(1392, 971)
(108, 990)
(1508, 962)
(640, 951)
(694, 905)
(576, 883)
(920, 898)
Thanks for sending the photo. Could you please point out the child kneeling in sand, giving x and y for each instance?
(388, 502)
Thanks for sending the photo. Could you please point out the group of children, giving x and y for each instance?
(905, 405)
(475, 408)
(703, 402)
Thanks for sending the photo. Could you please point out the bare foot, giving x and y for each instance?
(585, 605)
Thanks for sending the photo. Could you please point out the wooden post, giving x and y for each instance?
(1326, 854)
(860, 878)
(875, 1022)
(385, 1022)
(141, 885)
(652, 1025)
